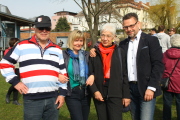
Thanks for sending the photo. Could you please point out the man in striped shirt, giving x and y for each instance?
(40, 63)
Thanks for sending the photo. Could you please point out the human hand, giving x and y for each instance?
(90, 80)
(21, 87)
(92, 52)
(149, 95)
(60, 101)
(63, 78)
(126, 101)
(98, 96)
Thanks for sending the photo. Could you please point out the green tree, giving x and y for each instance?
(164, 12)
(62, 25)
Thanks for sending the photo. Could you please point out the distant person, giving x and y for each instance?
(40, 63)
(78, 96)
(172, 31)
(170, 58)
(60, 43)
(154, 32)
(116, 40)
(164, 39)
(89, 44)
(11, 89)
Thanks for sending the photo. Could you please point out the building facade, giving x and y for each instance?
(10, 27)
(119, 9)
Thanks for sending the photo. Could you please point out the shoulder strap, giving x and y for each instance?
(174, 67)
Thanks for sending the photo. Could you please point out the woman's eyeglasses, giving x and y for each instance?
(107, 36)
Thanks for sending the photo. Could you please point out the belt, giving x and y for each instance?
(133, 82)
(79, 87)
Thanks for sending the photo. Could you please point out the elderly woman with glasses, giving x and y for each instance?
(76, 61)
(110, 87)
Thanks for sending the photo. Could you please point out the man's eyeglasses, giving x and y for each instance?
(44, 28)
(130, 26)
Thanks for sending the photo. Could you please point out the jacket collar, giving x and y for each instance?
(97, 47)
(141, 44)
(66, 51)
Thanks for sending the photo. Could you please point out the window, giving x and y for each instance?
(75, 28)
(3, 9)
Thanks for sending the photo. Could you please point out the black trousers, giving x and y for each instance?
(12, 89)
(110, 109)
(78, 104)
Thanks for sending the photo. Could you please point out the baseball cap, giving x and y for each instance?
(42, 21)
(172, 29)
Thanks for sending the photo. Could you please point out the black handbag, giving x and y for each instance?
(165, 81)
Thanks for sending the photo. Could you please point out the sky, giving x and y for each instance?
(33, 8)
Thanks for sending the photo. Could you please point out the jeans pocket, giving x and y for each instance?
(28, 101)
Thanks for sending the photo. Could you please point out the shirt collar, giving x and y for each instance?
(138, 35)
(37, 40)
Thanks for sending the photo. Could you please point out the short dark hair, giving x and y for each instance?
(130, 15)
(12, 41)
(161, 28)
(154, 29)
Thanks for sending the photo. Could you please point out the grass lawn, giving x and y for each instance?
(14, 112)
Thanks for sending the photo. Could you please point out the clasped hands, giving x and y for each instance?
(64, 79)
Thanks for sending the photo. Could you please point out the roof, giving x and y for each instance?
(19, 20)
(80, 14)
(27, 29)
(66, 12)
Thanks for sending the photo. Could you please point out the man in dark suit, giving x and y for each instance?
(145, 67)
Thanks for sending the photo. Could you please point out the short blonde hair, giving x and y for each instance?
(75, 34)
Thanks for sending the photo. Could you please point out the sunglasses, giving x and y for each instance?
(44, 28)
(130, 26)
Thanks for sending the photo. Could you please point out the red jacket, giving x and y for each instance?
(170, 58)
(7, 50)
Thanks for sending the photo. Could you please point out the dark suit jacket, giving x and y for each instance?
(149, 62)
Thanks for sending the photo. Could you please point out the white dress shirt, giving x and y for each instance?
(131, 57)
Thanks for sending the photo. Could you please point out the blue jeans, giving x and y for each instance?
(167, 103)
(78, 104)
(140, 109)
(44, 109)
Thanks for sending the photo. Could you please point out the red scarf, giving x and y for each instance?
(106, 56)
